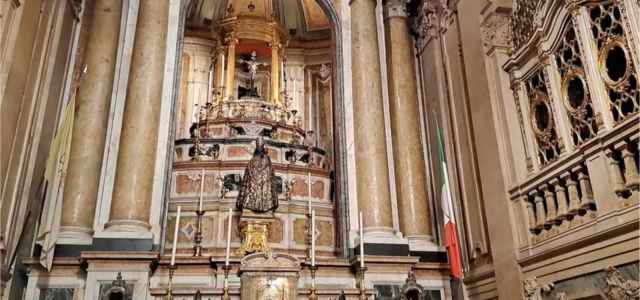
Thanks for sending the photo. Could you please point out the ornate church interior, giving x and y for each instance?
(319, 149)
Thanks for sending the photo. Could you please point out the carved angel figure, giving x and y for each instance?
(258, 191)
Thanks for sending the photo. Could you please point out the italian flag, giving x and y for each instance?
(450, 233)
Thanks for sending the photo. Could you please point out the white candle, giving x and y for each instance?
(210, 83)
(175, 237)
(226, 259)
(282, 71)
(222, 70)
(201, 190)
(309, 190)
(313, 238)
(361, 241)
(295, 93)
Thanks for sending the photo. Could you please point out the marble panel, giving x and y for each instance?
(325, 233)
(300, 231)
(276, 231)
(188, 227)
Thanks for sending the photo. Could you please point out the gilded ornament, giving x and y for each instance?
(255, 238)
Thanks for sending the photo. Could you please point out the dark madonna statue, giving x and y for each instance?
(258, 191)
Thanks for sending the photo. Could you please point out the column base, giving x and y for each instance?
(129, 229)
(420, 243)
(75, 235)
(383, 241)
(382, 235)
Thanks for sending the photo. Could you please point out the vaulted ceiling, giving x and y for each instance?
(303, 19)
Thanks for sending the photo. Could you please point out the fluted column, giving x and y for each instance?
(413, 208)
(372, 169)
(90, 124)
(131, 201)
(229, 84)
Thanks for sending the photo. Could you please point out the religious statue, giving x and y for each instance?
(258, 191)
(252, 68)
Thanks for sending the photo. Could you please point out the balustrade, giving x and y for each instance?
(623, 166)
(560, 202)
(562, 198)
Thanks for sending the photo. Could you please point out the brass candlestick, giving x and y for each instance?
(312, 290)
(172, 269)
(360, 272)
(197, 247)
(225, 288)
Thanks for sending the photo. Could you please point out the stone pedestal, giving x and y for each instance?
(269, 277)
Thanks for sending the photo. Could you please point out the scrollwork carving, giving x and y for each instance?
(496, 31)
(542, 118)
(533, 290)
(426, 23)
(619, 287)
(524, 21)
(575, 92)
(614, 60)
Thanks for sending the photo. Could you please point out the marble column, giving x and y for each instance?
(410, 173)
(372, 169)
(229, 84)
(131, 201)
(89, 129)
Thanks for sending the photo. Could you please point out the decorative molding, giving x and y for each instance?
(619, 287)
(411, 287)
(496, 32)
(76, 6)
(533, 290)
(395, 9)
(426, 23)
(524, 21)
